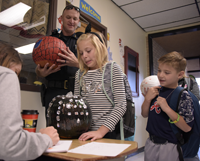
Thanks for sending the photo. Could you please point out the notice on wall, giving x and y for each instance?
(60, 26)
(109, 54)
(121, 52)
(70, 1)
(108, 36)
(85, 7)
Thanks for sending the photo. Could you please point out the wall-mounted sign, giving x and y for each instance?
(109, 54)
(60, 26)
(121, 51)
(85, 7)
(108, 36)
(70, 1)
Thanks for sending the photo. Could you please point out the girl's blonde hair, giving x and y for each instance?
(174, 59)
(101, 50)
(8, 55)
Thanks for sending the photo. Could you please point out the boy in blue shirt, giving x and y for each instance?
(162, 142)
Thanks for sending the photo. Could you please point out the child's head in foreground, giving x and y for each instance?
(171, 69)
(10, 58)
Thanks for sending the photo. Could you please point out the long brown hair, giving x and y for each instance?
(8, 55)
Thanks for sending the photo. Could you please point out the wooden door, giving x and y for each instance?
(83, 27)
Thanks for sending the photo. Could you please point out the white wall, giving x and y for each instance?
(119, 25)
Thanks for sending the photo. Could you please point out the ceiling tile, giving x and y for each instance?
(175, 24)
(167, 17)
(147, 7)
(124, 2)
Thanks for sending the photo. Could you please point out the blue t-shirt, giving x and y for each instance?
(158, 121)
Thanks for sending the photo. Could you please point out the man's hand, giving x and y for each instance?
(43, 72)
(69, 58)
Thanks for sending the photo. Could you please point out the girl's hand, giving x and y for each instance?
(92, 134)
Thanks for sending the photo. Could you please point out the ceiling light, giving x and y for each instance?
(26, 49)
(14, 15)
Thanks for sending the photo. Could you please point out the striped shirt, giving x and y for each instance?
(103, 113)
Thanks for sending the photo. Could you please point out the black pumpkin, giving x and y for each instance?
(70, 115)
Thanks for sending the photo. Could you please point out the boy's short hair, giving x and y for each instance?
(175, 59)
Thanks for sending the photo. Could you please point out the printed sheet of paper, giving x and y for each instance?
(103, 149)
(61, 146)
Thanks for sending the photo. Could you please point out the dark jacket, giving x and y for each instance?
(191, 85)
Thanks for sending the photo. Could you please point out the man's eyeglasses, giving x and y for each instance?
(69, 7)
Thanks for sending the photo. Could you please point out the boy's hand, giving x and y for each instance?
(162, 103)
(152, 93)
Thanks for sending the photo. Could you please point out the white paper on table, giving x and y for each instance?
(103, 149)
(61, 146)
